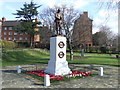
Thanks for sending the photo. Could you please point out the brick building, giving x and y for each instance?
(8, 32)
(82, 31)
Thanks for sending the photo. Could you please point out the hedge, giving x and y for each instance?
(7, 44)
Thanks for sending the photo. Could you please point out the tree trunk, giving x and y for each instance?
(71, 55)
(31, 42)
(70, 49)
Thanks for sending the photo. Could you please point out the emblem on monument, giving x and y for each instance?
(61, 44)
(61, 54)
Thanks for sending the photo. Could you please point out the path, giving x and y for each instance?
(110, 79)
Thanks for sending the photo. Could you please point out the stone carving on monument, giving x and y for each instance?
(57, 65)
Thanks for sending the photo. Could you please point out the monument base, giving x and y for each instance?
(57, 64)
(57, 68)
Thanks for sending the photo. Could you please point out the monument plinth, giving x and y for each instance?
(57, 64)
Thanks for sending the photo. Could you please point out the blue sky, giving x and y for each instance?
(98, 15)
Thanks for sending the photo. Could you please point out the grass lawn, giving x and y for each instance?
(42, 57)
(94, 58)
(24, 57)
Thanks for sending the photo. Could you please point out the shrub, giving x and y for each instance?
(7, 44)
(23, 44)
(103, 49)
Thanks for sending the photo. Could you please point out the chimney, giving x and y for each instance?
(85, 14)
(3, 19)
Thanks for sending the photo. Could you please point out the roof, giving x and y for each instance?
(11, 23)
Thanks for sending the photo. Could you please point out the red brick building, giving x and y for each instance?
(8, 32)
(82, 31)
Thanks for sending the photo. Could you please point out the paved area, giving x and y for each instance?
(10, 78)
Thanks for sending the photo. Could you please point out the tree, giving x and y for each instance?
(110, 4)
(45, 35)
(69, 16)
(115, 42)
(104, 37)
(28, 12)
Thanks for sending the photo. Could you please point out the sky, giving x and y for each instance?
(99, 15)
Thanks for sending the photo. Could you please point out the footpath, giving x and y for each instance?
(10, 78)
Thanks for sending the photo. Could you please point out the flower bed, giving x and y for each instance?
(74, 73)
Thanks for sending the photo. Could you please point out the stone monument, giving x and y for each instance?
(57, 64)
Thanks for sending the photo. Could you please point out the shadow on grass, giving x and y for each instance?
(38, 84)
(24, 57)
(10, 71)
(103, 57)
(94, 63)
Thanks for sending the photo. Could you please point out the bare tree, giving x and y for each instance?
(104, 37)
(45, 35)
(109, 5)
(69, 16)
(47, 17)
(115, 42)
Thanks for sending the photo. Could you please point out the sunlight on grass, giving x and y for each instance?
(43, 56)
(91, 58)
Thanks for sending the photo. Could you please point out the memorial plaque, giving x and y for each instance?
(61, 54)
(61, 44)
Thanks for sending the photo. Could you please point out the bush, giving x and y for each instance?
(23, 44)
(103, 49)
(7, 44)
(45, 46)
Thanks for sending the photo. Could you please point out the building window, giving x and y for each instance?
(10, 33)
(15, 38)
(5, 38)
(5, 33)
(21, 38)
(5, 28)
(10, 38)
(15, 33)
(90, 45)
(10, 28)
(26, 38)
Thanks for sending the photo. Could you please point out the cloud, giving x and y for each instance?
(1, 6)
(15, 1)
(50, 3)
(77, 4)
(109, 12)
(80, 3)
(108, 0)
(10, 8)
(108, 18)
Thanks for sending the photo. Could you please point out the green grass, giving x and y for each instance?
(42, 57)
(90, 58)
(24, 57)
